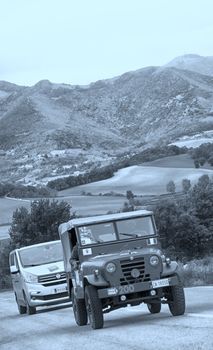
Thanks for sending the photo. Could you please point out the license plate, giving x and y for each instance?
(112, 291)
(60, 290)
(160, 283)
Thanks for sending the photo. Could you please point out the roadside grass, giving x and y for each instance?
(197, 272)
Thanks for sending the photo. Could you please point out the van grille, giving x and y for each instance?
(52, 279)
(51, 297)
(127, 266)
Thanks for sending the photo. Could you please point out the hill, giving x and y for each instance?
(57, 129)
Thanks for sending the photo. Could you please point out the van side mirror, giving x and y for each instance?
(13, 269)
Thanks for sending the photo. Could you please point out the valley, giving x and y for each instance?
(148, 180)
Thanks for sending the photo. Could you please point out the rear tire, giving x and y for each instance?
(177, 300)
(154, 308)
(79, 310)
(94, 307)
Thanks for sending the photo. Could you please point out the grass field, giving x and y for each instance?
(82, 205)
(149, 178)
(8, 206)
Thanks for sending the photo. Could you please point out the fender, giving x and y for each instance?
(169, 270)
(97, 281)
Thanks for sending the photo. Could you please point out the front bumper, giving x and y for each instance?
(39, 295)
(134, 288)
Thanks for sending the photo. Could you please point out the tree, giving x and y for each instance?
(196, 163)
(5, 280)
(40, 224)
(190, 238)
(170, 187)
(202, 161)
(129, 195)
(181, 232)
(186, 184)
(201, 199)
(166, 216)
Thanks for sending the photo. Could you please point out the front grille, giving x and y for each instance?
(128, 265)
(52, 279)
(52, 296)
(54, 283)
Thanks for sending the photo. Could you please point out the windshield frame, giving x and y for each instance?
(40, 264)
(118, 239)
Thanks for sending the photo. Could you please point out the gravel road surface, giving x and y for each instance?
(130, 328)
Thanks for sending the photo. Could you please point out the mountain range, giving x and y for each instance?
(54, 129)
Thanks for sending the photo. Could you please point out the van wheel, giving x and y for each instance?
(154, 308)
(79, 310)
(94, 307)
(21, 309)
(177, 300)
(31, 310)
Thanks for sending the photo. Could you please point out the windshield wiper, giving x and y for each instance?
(129, 234)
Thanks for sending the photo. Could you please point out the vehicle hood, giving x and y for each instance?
(46, 269)
(124, 254)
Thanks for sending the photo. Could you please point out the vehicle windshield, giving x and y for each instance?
(42, 254)
(119, 230)
(135, 227)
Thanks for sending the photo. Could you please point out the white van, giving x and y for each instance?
(38, 276)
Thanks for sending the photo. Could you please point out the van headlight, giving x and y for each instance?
(154, 260)
(111, 267)
(30, 278)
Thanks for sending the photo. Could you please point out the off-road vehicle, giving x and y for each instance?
(118, 262)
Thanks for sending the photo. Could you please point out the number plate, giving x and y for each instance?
(60, 290)
(112, 291)
(160, 283)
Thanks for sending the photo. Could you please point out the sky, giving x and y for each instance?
(82, 41)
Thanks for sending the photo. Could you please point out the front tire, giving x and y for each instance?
(154, 308)
(79, 310)
(21, 309)
(176, 300)
(94, 307)
(30, 310)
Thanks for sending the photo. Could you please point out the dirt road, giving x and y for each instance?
(127, 329)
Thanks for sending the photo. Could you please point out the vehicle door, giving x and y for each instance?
(16, 276)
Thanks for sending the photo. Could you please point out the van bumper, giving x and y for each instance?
(39, 295)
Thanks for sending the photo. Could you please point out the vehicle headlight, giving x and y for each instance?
(154, 260)
(30, 278)
(111, 267)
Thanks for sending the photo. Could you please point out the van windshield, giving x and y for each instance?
(42, 254)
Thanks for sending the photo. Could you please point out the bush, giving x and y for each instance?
(20, 191)
(197, 272)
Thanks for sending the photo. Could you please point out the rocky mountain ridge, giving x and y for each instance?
(93, 123)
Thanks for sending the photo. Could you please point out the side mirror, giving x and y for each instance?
(163, 241)
(13, 269)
